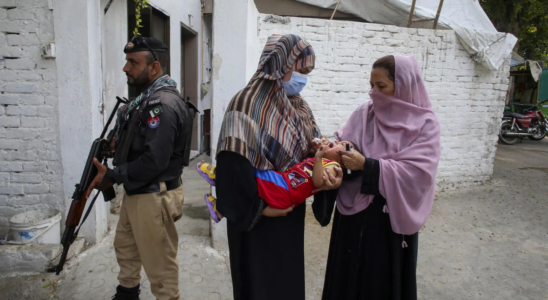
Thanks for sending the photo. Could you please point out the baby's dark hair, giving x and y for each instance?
(388, 63)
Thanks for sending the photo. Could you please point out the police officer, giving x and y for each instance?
(149, 141)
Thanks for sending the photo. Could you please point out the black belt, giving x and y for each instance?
(155, 187)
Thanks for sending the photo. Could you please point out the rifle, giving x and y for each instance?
(100, 150)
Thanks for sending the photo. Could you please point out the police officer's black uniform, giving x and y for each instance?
(150, 151)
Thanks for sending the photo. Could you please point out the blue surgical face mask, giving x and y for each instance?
(296, 84)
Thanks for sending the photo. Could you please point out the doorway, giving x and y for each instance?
(189, 76)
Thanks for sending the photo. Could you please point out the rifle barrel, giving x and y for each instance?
(112, 114)
(66, 241)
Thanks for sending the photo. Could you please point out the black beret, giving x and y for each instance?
(137, 44)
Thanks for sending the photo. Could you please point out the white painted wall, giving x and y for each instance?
(114, 38)
(234, 58)
(254, 45)
(236, 53)
(207, 53)
(78, 41)
(30, 162)
(467, 98)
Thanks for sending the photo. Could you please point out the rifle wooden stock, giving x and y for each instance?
(75, 213)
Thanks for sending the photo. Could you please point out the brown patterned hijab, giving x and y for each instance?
(261, 122)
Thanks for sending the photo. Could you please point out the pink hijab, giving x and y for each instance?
(403, 133)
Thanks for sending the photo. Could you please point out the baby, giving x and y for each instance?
(281, 190)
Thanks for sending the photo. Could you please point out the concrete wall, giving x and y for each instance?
(233, 62)
(235, 39)
(207, 75)
(114, 38)
(80, 86)
(30, 163)
(254, 45)
(467, 98)
(207, 58)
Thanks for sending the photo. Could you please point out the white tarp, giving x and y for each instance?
(535, 68)
(466, 17)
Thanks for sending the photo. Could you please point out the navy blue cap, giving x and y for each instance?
(139, 43)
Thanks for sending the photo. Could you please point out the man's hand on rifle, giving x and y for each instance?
(112, 145)
(96, 183)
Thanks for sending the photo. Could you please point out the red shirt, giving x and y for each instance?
(292, 187)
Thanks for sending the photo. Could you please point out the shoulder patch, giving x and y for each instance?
(156, 111)
(156, 101)
(153, 122)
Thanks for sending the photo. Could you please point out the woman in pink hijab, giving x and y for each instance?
(387, 198)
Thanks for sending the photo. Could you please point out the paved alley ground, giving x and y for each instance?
(204, 273)
(482, 242)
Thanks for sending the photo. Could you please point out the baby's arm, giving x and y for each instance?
(319, 172)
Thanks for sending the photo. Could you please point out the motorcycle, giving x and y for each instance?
(533, 124)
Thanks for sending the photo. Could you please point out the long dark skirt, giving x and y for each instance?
(366, 259)
(267, 262)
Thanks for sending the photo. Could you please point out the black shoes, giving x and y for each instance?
(123, 293)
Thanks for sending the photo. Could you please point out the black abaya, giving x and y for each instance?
(366, 258)
(266, 254)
